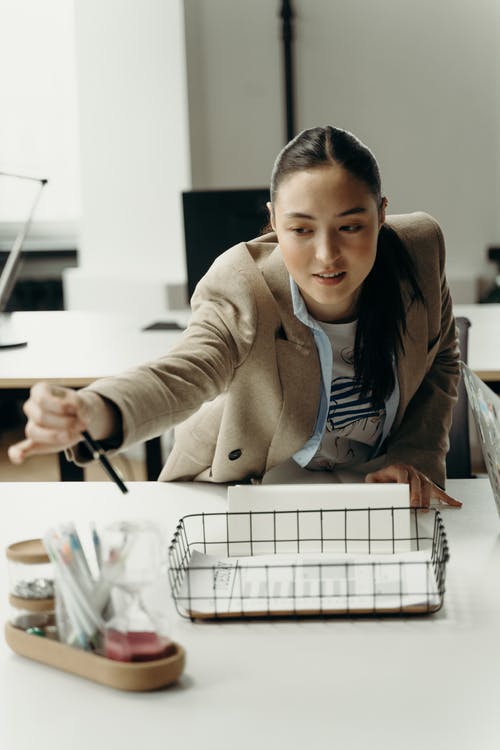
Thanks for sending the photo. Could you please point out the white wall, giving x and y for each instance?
(497, 99)
(416, 80)
(235, 95)
(38, 105)
(132, 96)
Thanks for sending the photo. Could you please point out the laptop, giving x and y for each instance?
(485, 407)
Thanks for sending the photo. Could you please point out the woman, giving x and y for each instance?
(328, 341)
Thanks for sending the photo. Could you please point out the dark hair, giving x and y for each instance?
(319, 147)
(382, 301)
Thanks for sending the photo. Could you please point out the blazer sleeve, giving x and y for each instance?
(162, 393)
(421, 438)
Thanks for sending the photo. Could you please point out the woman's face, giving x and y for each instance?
(327, 222)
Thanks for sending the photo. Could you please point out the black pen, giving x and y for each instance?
(99, 455)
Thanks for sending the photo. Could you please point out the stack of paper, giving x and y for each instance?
(308, 584)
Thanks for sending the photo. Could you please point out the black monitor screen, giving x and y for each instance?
(215, 220)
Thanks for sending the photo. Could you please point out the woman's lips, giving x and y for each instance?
(329, 279)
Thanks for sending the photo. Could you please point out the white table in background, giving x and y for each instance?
(370, 683)
(75, 348)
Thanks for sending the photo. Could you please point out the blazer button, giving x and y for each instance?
(234, 454)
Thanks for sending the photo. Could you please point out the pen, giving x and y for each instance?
(96, 541)
(98, 454)
(80, 561)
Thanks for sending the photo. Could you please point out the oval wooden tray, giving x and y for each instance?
(138, 676)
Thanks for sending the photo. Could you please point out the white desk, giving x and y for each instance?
(75, 348)
(351, 683)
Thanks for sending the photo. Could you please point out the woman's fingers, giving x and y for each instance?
(25, 448)
(40, 440)
(17, 452)
(60, 437)
(46, 399)
(422, 489)
(419, 494)
(55, 418)
(50, 419)
(430, 491)
(394, 473)
(441, 495)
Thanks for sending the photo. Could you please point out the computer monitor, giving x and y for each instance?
(214, 220)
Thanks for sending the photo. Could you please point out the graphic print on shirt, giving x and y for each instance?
(347, 355)
(354, 423)
(347, 406)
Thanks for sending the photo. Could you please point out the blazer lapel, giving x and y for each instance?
(300, 377)
(298, 365)
(411, 365)
(277, 279)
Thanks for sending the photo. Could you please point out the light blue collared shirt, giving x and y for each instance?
(305, 454)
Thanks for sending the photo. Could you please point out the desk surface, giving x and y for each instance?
(349, 683)
(74, 348)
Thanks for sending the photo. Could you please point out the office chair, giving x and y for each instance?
(458, 460)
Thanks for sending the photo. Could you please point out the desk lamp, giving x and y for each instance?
(13, 263)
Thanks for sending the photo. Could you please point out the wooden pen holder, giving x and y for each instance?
(32, 631)
(133, 676)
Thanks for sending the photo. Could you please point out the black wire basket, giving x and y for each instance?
(308, 563)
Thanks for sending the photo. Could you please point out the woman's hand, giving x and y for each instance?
(422, 489)
(56, 418)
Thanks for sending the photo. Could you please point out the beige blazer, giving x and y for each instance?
(243, 383)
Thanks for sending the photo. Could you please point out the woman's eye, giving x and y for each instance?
(351, 228)
(300, 230)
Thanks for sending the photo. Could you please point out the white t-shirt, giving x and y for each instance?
(354, 423)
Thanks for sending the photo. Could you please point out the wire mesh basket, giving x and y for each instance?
(308, 563)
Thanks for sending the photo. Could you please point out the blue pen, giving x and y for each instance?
(96, 541)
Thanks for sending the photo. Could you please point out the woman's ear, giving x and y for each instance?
(383, 207)
(271, 214)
